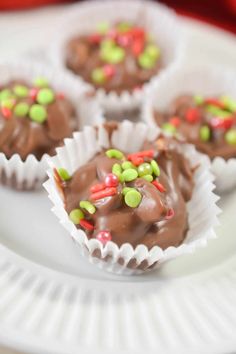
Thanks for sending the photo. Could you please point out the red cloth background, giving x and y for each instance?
(221, 13)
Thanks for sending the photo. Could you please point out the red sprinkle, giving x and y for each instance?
(217, 123)
(97, 187)
(111, 180)
(109, 70)
(192, 115)
(170, 214)
(33, 93)
(124, 39)
(104, 237)
(146, 153)
(138, 33)
(86, 225)
(215, 102)
(228, 122)
(108, 192)
(159, 186)
(175, 121)
(95, 38)
(112, 34)
(137, 47)
(60, 95)
(137, 160)
(6, 112)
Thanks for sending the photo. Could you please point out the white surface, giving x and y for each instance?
(52, 301)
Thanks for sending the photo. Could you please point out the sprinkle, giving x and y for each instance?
(41, 82)
(114, 55)
(129, 175)
(136, 160)
(145, 169)
(148, 178)
(6, 112)
(38, 113)
(229, 103)
(108, 44)
(116, 169)
(45, 96)
(137, 48)
(215, 111)
(127, 164)
(153, 51)
(86, 225)
(98, 76)
(104, 236)
(145, 153)
(230, 137)
(109, 70)
(169, 128)
(192, 115)
(33, 93)
(205, 133)
(215, 102)
(133, 198)
(155, 168)
(103, 27)
(108, 192)
(124, 40)
(198, 99)
(95, 38)
(217, 123)
(228, 122)
(145, 61)
(114, 153)
(4, 94)
(126, 190)
(170, 214)
(84, 204)
(21, 109)
(159, 186)
(63, 173)
(76, 215)
(175, 121)
(21, 91)
(8, 103)
(97, 187)
(111, 180)
(60, 95)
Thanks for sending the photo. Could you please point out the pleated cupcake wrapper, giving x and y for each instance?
(130, 137)
(160, 21)
(204, 80)
(31, 173)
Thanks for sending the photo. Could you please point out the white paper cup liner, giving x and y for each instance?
(202, 209)
(159, 20)
(206, 80)
(31, 173)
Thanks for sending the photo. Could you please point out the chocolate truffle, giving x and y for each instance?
(207, 122)
(34, 119)
(138, 198)
(116, 58)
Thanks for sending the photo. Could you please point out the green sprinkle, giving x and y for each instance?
(153, 51)
(145, 61)
(98, 76)
(116, 169)
(229, 103)
(133, 198)
(8, 103)
(113, 55)
(155, 168)
(198, 99)
(63, 173)
(127, 164)
(126, 190)
(169, 128)
(215, 111)
(144, 169)
(230, 137)
(38, 113)
(205, 133)
(4, 94)
(84, 204)
(21, 91)
(123, 27)
(45, 96)
(114, 153)
(107, 44)
(41, 82)
(21, 109)
(76, 215)
(129, 175)
(103, 27)
(148, 178)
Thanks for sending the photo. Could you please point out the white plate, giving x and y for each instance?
(52, 301)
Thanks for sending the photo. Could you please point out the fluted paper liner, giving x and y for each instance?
(31, 173)
(202, 209)
(205, 80)
(159, 20)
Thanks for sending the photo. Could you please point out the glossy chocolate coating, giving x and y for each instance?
(147, 223)
(82, 57)
(216, 146)
(21, 135)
